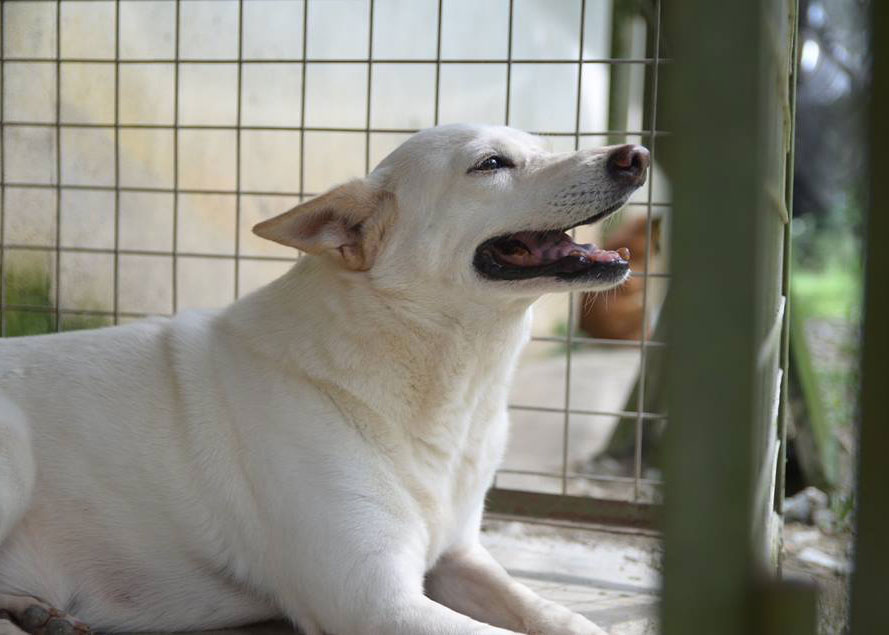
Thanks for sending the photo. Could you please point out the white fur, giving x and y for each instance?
(316, 449)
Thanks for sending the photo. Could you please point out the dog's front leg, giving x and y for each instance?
(470, 581)
(374, 594)
(419, 615)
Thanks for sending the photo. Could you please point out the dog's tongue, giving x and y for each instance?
(527, 249)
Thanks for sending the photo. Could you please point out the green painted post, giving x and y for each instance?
(619, 79)
(727, 98)
(786, 608)
(869, 581)
(712, 99)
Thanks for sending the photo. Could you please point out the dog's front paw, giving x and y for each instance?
(558, 620)
(36, 617)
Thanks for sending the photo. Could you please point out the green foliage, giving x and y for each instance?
(828, 267)
(827, 253)
(834, 292)
(827, 295)
(826, 291)
(31, 286)
(830, 245)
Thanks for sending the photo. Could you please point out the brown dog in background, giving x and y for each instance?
(619, 314)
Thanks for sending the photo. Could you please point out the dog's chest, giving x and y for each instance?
(436, 410)
(452, 459)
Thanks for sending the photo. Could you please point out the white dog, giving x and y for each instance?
(320, 449)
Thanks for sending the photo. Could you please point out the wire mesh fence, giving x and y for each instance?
(142, 140)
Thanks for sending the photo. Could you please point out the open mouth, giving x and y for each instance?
(552, 253)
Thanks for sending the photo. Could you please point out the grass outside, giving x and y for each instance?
(826, 307)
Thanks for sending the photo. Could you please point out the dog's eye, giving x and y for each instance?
(495, 162)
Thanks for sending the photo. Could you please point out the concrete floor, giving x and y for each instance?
(611, 578)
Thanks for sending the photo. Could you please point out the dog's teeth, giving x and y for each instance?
(624, 253)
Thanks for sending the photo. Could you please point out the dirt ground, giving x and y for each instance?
(825, 560)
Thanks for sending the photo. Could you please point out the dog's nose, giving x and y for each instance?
(628, 164)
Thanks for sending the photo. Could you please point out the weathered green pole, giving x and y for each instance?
(619, 79)
(728, 104)
(712, 97)
(870, 580)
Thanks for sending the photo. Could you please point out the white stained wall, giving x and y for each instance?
(402, 96)
(208, 229)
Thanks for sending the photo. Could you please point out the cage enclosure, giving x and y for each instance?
(142, 140)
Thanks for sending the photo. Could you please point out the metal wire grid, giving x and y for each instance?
(651, 133)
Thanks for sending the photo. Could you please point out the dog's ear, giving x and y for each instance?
(348, 222)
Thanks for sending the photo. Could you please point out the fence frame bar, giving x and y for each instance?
(868, 603)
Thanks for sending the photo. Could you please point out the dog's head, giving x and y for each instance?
(484, 208)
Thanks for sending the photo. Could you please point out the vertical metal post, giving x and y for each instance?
(175, 250)
(370, 71)
(3, 271)
(58, 188)
(508, 63)
(116, 256)
(868, 611)
(302, 105)
(435, 116)
(238, 149)
(572, 301)
(643, 337)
